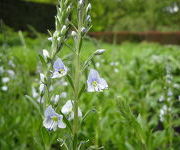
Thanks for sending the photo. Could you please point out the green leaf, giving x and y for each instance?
(42, 60)
(70, 81)
(35, 104)
(75, 140)
(82, 90)
(85, 116)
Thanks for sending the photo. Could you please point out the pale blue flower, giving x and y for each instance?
(53, 120)
(59, 69)
(95, 82)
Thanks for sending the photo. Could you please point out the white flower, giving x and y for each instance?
(95, 82)
(59, 69)
(5, 79)
(67, 109)
(4, 88)
(45, 53)
(53, 120)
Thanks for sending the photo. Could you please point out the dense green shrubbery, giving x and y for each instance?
(127, 115)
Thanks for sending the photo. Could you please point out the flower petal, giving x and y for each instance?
(58, 64)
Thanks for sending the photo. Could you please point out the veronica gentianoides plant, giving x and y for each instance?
(55, 68)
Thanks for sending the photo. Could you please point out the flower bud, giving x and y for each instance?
(45, 53)
(81, 3)
(88, 8)
(73, 33)
(68, 9)
(59, 39)
(50, 39)
(83, 30)
(63, 30)
(42, 77)
(88, 18)
(99, 51)
(42, 88)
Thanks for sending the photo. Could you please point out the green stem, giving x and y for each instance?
(76, 91)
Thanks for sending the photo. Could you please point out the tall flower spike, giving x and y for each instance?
(67, 109)
(95, 83)
(59, 69)
(52, 120)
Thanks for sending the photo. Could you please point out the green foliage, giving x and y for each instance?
(124, 117)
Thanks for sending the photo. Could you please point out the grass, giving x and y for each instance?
(125, 117)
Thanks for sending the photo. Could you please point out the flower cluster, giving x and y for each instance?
(7, 75)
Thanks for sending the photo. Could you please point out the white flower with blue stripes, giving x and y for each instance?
(95, 83)
(60, 69)
(53, 120)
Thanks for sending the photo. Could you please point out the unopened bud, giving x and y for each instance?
(88, 18)
(59, 39)
(63, 30)
(88, 8)
(81, 3)
(42, 88)
(50, 38)
(45, 53)
(73, 33)
(83, 30)
(42, 77)
(68, 8)
(99, 51)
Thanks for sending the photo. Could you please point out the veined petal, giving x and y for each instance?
(56, 74)
(49, 111)
(103, 84)
(61, 124)
(47, 123)
(58, 64)
(90, 87)
(93, 75)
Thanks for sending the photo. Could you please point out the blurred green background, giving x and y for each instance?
(113, 15)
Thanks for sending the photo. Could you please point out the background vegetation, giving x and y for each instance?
(127, 116)
(133, 15)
